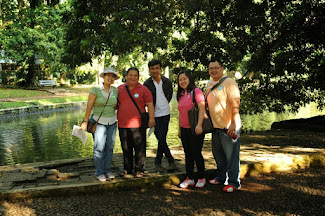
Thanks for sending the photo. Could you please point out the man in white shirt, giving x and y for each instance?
(162, 91)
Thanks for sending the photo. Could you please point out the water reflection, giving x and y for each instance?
(47, 136)
(40, 137)
(263, 121)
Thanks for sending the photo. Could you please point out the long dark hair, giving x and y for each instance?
(190, 86)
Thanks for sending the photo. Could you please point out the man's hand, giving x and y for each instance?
(231, 130)
(151, 123)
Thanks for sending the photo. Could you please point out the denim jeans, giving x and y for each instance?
(226, 154)
(161, 130)
(192, 145)
(104, 141)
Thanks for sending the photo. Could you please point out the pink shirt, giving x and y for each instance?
(185, 103)
(128, 115)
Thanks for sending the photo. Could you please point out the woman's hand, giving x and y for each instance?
(90, 104)
(198, 129)
(84, 125)
(179, 133)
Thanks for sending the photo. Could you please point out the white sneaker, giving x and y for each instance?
(201, 183)
(110, 175)
(101, 178)
(187, 182)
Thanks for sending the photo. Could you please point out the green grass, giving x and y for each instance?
(81, 89)
(46, 101)
(13, 97)
(8, 93)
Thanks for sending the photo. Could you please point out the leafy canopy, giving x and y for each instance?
(29, 28)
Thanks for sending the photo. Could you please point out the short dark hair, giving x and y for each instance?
(132, 68)
(215, 59)
(154, 62)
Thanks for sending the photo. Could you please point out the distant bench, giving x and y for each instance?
(47, 83)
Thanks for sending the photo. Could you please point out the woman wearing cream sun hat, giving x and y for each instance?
(104, 137)
(108, 70)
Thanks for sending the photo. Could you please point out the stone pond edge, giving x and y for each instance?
(155, 180)
(39, 108)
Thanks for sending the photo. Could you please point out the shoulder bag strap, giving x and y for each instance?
(193, 97)
(109, 94)
(214, 87)
(136, 105)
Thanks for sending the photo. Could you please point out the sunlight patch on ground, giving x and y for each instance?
(17, 209)
(255, 187)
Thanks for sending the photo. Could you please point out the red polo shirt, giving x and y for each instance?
(127, 114)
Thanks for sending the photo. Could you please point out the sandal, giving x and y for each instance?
(123, 173)
(139, 174)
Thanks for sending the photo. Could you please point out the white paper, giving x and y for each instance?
(151, 130)
(78, 132)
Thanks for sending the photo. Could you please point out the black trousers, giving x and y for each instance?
(192, 145)
(161, 130)
(133, 138)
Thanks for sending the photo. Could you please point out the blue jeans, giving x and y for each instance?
(161, 130)
(104, 141)
(226, 154)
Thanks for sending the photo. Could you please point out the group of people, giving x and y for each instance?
(132, 98)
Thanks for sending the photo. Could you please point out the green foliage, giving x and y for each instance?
(30, 29)
(278, 45)
(117, 27)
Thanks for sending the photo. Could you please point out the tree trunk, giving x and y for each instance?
(30, 78)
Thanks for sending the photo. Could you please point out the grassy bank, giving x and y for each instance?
(9, 93)
(14, 98)
(45, 101)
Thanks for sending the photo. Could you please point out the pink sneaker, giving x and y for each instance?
(201, 183)
(187, 182)
(214, 181)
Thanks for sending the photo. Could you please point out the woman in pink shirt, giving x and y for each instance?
(192, 144)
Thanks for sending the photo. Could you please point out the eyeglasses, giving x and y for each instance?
(214, 68)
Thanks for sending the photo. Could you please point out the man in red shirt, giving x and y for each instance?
(132, 135)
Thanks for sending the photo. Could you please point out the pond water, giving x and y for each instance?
(47, 136)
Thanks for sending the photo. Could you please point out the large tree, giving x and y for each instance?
(29, 29)
(116, 27)
(277, 45)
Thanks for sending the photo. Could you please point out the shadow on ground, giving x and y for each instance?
(290, 193)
